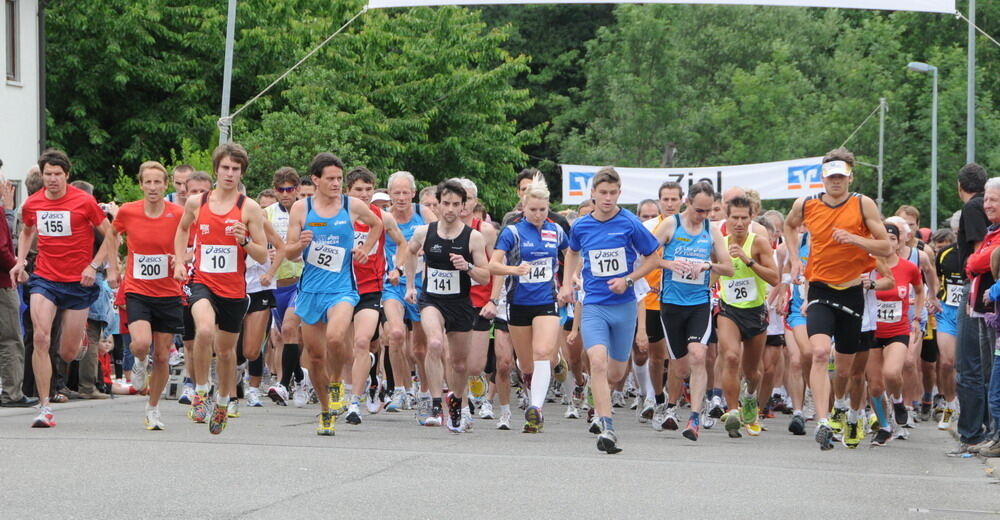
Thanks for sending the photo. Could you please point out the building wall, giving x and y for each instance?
(19, 104)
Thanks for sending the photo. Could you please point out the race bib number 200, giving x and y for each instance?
(149, 267)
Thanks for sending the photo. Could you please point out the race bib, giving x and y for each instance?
(953, 296)
(607, 262)
(149, 267)
(326, 257)
(443, 282)
(54, 224)
(889, 312)
(698, 279)
(740, 290)
(539, 271)
(217, 259)
(360, 237)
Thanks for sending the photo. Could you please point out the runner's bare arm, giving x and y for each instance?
(413, 248)
(723, 265)
(427, 214)
(878, 244)
(396, 235)
(191, 208)
(571, 269)
(792, 240)
(297, 238)
(499, 267)
(479, 270)
(110, 247)
(361, 211)
(664, 231)
(764, 264)
(256, 244)
(277, 254)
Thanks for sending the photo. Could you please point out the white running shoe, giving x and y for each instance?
(153, 421)
(396, 401)
(253, 397)
(659, 416)
(946, 415)
(504, 422)
(279, 394)
(617, 399)
(572, 412)
(176, 358)
(139, 375)
(374, 405)
(301, 396)
(647, 410)
(486, 410)
(186, 395)
(467, 421)
(233, 410)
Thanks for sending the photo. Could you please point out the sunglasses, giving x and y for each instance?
(701, 211)
(286, 189)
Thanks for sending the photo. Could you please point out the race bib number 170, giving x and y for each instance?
(607, 262)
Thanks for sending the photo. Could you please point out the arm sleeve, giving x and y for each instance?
(574, 239)
(94, 212)
(974, 221)
(505, 241)
(28, 214)
(979, 262)
(643, 240)
(7, 257)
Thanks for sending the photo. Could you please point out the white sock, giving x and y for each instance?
(355, 399)
(401, 389)
(150, 407)
(423, 395)
(348, 389)
(201, 389)
(540, 382)
(505, 408)
(223, 401)
(852, 416)
(645, 383)
(840, 403)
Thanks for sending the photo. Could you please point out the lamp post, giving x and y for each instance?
(925, 68)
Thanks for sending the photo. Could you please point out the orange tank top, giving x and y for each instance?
(831, 262)
(220, 263)
(652, 300)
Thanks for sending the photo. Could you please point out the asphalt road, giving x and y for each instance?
(99, 462)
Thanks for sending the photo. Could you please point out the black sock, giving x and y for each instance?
(256, 367)
(290, 364)
(660, 398)
(390, 380)
(436, 402)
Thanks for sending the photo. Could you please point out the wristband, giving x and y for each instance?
(786, 278)
(95, 267)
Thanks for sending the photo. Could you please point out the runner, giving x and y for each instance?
(743, 315)
(197, 184)
(369, 277)
(610, 240)
(151, 296)
(527, 253)
(180, 177)
(455, 255)
(399, 314)
(63, 219)
(949, 270)
(892, 335)
(845, 228)
(320, 230)
(229, 226)
(693, 249)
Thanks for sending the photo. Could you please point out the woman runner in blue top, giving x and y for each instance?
(321, 231)
(527, 253)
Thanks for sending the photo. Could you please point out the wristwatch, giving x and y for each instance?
(246, 242)
(751, 263)
(629, 282)
(495, 301)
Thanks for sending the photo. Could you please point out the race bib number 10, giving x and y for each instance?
(218, 259)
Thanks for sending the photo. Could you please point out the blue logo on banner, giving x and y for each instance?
(808, 175)
(579, 182)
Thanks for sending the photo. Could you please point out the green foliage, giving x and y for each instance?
(191, 155)
(125, 188)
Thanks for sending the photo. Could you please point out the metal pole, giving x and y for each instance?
(881, 149)
(934, 153)
(970, 117)
(227, 72)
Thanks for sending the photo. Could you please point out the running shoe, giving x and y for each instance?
(454, 413)
(533, 420)
(327, 421)
(945, 421)
(579, 396)
(396, 401)
(715, 410)
(607, 442)
(44, 419)
(691, 432)
(478, 386)
(636, 402)
(219, 419)
(659, 416)
(901, 433)
(824, 436)
(467, 422)
(707, 422)
(279, 394)
(253, 398)
(186, 395)
(435, 418)
(300, 398)
(732, 421)
(595, 426)
(670, 421)
(353, 414)
(373, 404)
(838, 416)
(504, 422)
(748, 409)
(139, 375)
(233, 410)
(572, 412)
(422, 410)
(881, 437)
(153, 422)
(335, 394)
(199, 408)
(754, 428)
(617, 399)
(798, 425)
(911, 418)
(899, 411)
(853, 435)
(647, 410)
(486, 410)
(926, 410)
(873, 424)
(982, 445)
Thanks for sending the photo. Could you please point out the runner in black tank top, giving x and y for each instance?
(454, 255)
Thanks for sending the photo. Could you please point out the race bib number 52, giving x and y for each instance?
(326, 257)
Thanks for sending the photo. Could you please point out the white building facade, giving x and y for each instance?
(20, 104)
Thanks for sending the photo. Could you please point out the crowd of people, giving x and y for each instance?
(329, 291)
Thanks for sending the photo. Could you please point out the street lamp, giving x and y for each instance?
(925, 68)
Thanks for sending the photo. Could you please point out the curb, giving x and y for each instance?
(992, 465)
(72, 405)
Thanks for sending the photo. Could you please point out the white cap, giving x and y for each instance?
(836, 168)
(381, 197)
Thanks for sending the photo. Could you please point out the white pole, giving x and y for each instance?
(970, 117)
(881, 149)
(227, 73)
(934, 153)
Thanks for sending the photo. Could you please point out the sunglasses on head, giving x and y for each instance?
(286, 189)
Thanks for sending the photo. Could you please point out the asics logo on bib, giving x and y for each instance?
(215, 250)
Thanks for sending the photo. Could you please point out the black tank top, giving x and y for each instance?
(441, 280)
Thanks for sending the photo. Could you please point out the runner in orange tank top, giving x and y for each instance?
(846, 230)
(229, 226)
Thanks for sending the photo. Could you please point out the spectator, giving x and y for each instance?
(11, 346)
(267, 197)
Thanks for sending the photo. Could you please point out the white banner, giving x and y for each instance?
(775, 180)
(930, 6)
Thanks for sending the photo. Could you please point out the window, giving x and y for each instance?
(12, 36)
